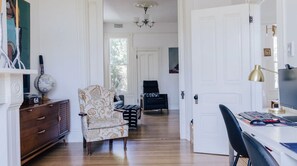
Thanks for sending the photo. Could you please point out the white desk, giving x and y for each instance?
(271, 137)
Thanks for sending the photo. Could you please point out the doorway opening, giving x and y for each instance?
(147, 53)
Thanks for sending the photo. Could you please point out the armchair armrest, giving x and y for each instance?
(117, 114)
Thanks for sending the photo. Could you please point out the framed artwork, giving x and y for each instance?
(24, 35)
(267, 52)
(173, 60)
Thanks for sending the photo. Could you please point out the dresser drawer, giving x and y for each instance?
(43, 118)
(37, 112)
(32, 129)
(36, 138)
(47, 135)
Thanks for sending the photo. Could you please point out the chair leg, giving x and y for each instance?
(125, 143)
(110, 142)
(89, 148)
(64, 142)
(84, 143)
(236, 160)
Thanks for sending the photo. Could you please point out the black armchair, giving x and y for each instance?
(151, 99)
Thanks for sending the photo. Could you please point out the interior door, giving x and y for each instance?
(147, 62)
(220, 68)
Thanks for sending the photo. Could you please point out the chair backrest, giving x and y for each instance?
(96, 101)
(257, 152)
(234, 131)
(150, 86)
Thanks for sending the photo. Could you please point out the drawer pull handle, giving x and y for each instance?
(41, 118)
(41, 132)
(30, 110)
(51, 105)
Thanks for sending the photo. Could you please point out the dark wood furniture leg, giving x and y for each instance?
(89, 144)
(84, 143)
(125, 143)
(110, 143)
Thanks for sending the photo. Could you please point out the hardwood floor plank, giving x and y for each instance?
(155, 143)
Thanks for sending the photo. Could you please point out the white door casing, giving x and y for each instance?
(147, 67)
(221, 64)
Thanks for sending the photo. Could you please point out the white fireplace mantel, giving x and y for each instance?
(11, 98)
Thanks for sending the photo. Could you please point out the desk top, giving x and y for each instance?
(271, 136)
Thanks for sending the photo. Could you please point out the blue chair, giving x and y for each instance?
(257, 152)
(234, 134)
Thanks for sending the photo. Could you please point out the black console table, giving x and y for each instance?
(131, 113)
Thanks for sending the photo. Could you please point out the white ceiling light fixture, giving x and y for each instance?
(147, 20)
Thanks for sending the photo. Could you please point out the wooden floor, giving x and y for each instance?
(155, 142)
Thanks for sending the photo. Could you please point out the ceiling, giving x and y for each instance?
(124, 11)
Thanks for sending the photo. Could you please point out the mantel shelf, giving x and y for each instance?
(17, 71)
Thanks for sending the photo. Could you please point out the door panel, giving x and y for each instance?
(147, 67)
(220, 64)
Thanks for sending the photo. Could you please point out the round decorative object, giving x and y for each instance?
(44, 83)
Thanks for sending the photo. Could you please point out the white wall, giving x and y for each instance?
(162, 36)
(268, 18)
(268, 12)
(56, 33)
(269, 90)
(290, 30)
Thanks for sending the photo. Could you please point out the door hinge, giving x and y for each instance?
(182, 94)
(251, 19)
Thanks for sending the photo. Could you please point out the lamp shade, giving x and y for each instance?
(256, 74)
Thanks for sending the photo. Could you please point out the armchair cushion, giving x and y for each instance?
(105, 123)
(118, 100)
(156, 94)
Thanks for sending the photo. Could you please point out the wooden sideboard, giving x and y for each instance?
(42, 126)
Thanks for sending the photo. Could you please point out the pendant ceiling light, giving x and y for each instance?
(147, 20)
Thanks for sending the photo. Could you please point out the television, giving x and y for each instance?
(287, 79)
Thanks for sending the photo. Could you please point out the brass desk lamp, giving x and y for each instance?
(257, 76)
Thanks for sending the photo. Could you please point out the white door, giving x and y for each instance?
(220, 68)
(147, 62)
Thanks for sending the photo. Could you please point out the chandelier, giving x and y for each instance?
(147, 21)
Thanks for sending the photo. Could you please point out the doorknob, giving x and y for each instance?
(196, 99)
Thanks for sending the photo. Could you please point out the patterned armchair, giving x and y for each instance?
(98, 118)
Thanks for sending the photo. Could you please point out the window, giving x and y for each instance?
(275, 61)
(118, 64)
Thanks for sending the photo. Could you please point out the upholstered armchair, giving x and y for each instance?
(151, 98)
(98, 118)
